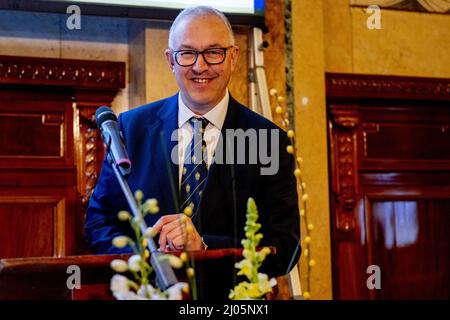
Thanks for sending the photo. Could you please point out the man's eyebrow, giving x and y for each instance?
(188, 47)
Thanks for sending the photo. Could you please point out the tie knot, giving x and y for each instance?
(198, 123)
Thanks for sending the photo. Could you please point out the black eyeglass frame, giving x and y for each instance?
(197, 53)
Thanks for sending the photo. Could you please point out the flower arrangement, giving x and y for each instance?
(259, 284)
(301, 189)
(140, 288)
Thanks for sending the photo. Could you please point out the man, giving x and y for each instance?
(202, 55)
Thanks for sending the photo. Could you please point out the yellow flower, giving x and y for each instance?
(278, 110)
(190, 272)
(124, 215)
(188, 211)
(253, 290)
(291, 133)
(184, 257)
(183, 219)
(120, 241)
(306, 295)
(265, 251)
(139, 195)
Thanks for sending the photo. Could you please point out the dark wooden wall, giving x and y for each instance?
(50, 150)
(389, 143)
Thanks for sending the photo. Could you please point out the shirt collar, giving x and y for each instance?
(216, 116)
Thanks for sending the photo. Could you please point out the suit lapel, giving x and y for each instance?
(162, 147)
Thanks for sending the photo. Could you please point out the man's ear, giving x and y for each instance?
(169, 59)
(234, 57)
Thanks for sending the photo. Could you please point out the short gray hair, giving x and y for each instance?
(199, 11)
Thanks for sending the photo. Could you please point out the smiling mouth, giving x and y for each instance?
(197, 80)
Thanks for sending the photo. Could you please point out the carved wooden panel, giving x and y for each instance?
(35, 225)
(406, 141)
(35, 129)
(90, 151)
(343, 149)
(21, 134)
(50, 151)
(341, 85)
(70, 73)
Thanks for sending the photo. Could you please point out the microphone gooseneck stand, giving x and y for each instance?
(165, 276)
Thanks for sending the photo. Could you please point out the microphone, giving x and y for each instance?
(112, 138)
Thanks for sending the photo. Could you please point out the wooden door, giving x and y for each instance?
(389, 140)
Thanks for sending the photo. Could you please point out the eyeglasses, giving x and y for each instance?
(187, 58)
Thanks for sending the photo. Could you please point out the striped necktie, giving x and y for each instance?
(195, 170)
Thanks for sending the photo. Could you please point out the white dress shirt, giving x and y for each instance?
(216, 118)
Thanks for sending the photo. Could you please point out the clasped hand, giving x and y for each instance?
(176, 233)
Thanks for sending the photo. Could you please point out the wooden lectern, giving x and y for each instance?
(47, 277)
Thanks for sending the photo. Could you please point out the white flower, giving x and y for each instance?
(176, 291)
(245, 266)
(130, 295)
(119, 265)
(150, 232)
(175, 261)
(134, 262)
(264, 284)
(146, 291)
(119, 284)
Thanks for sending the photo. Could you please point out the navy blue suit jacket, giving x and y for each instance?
(221, 218)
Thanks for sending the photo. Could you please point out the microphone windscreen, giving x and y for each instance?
(103, 114)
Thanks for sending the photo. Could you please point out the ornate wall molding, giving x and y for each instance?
(433, 6)
(388, 87)
(90, 152)
(343, 130)
(62, 72)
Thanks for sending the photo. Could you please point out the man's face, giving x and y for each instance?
(202, 85)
